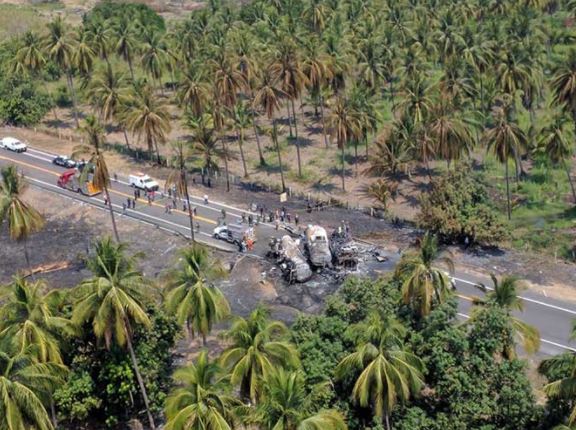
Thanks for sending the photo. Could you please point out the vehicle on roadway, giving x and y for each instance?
(235, 234)
(317, 246)
(144, 182)
(79, 181)
(62, 160)
(13, 144)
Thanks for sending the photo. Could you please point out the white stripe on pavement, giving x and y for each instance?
(538, 302)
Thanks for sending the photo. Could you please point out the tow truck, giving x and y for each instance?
(79, 181)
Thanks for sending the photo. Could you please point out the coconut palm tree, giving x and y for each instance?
(60, 46)
(257, 346)
(24, 383)
(30, 319)
(200, 400)
(564, 387)
(193, 91)
(555, 141)
(422, 283)
(386, 372)
(205, 143)
(450, 135)
(177, 180)
(287, 405)
(109, 93)
(84, 55)
(564, 85)
(148, 116)
(506, 140)
(113, 302)
(241, 120)
(344, 125)
(267, 97)
(191, 294)
(228, 81)
(154, 55)
(22, 219)
(504, 295)
(126, 45)
(100, 35)
(94, 134)
(288, 70)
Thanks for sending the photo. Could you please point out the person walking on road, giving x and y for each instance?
(197, 227)
(296, 219)
(205, 199)
(149, 200)
(123, 207)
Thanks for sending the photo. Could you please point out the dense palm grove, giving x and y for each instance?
(406, 83)
(401, 84)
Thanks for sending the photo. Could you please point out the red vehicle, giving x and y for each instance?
(79, 182)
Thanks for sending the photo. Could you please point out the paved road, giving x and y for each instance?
(552, 317)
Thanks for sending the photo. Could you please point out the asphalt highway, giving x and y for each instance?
(551, 316)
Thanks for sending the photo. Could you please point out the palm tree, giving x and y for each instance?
(108, 92)
(199, 401)
(565, 387)
(60, 48)
(100, 36)
(289, 72)
(94, 134)
(126, 41)
(504, 295)
(148, 117)
(192, 295)
(154, 55)
(257, 346)
(83, 56)
(227, 81)
(29, 319)
(555, 141)
(241, 121)
(422, 283)
(112, 301)
(267, 97)
(344, 125)
(205, 143)
(23, 384)
(193, 91)
(287, 405)
(387, 372)
(505, 139)
(564, 85)
(274, 133)
(23, 220)
(177, 179)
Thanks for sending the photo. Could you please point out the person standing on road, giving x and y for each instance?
(205, 199)
(149, 200)
(197, 227)
(128, 202)
(123, 207)
(296, 219)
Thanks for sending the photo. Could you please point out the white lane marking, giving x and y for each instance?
(559, 345)
(41, 152)
(37, 157)
(538, 302)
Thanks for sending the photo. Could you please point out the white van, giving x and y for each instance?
(13, 144)
(144, 182)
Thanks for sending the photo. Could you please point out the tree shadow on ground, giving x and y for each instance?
(53, 123)
(325, 187)
(337, 171)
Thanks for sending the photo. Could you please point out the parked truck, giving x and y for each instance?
(79, 181)
(290, 259)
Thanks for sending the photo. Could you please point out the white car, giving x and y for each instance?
(13, 144)
(144, 182)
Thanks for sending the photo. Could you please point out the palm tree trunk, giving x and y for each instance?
(392, 94)
(187, 195)
(114, 228)
(323, 121)
(387, 421)
(355, 157)
(289, 116)
(508, 190)
(53, 412)
(260, 155)
(126, 139)
(204, 340)
(279, 156)
(158, 160)
(567, 168)
(240, 137)
(343, 167)
(27, 257)
(130, 66)
(150, 144)
(225, 148)
(139, 379)
(51, 101)
(73, 94)
(296, 140)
